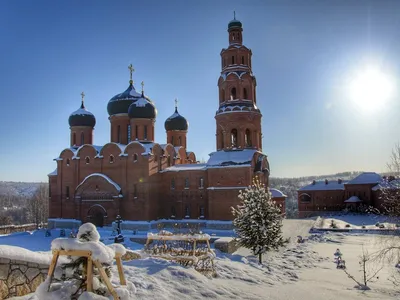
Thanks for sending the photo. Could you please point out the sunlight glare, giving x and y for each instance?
(371, 88)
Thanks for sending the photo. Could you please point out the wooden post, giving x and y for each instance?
(194, 248)
(89, 275)
(120, 270)
(52, 267)
(106, 279)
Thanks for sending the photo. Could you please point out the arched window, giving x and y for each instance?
(233, 36)
(234, 138)
(129, 134)
(135, 191)
(242, 60)
(119, 134)
(145, 132)
(222, 139)
(87, 160)
(180, 141)
(169, 161)
(67, 162)
(201, 211)
(111, 159)
(305, 198)
(221, 95)
(233, 93)
(172, 183)
(172, 140)
(186, 183)
(233, 60)
(247, 138)
(135, 157)
(136, 132)
(82, 138)
(173, 212)
(244, 93)
(74, 138)
(187, 212)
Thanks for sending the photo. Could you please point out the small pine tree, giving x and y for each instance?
(258, 220)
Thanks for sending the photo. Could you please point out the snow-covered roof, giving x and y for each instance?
(353, 199)
(324, 186)
(394, 184)
(277, 193)
(366, 178)
(227, 188)
(117, 187)
(81, 112)
(231, 157)
(186, 167)
(141, 102)
(54, 173)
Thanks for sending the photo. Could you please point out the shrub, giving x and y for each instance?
(347, 226)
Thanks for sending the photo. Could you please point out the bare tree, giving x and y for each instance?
(369, 268)
(38, 206)
(394, 164)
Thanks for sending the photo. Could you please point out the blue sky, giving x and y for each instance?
(305, 53)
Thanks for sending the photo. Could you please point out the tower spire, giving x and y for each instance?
(142, 83)
(234, 15)
(83, 100)
(176, 104)
(131, 70)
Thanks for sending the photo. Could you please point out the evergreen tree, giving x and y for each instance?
(258, 220)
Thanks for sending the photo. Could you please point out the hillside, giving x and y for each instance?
(18, 189)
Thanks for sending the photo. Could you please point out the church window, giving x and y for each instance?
(87, 160)
(172, 183)
(74, 138)
(169, 161)
(129, 134)
(186, 183)
(134, 191)
(233, 60)
(201, 183)
(172, 140)
(221, 95)
(159, 164)
(187, 212)
(97, 188)
(67, 162)
(119, 134)
(245, 93)
(222, 139)
(135, 157)
(201, 211)
(136, 131)
(234, 138)
(67, 192)
(145, 132)
(233, 36)
(173, 211)
(111, 159)
(247, 138)
(233, 93)
(82, 138)
(242, 60)
(180, 141)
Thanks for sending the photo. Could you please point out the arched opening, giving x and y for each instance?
(74, 138)
(96, 215)
(145, 132)
(233, 60)
(242, 60)
(247, 138)
(111, 159)
(221, 95)
(87, 160)
(233, 93)
(82, 138)
(234, 138)
(136, 131)
(135, 157)
(305, 198)
(169, 161)
(180, 141)
(172, 140)
(221, 135)
(244, 93)
(119, 134)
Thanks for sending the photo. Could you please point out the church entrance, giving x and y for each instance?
(97, 215)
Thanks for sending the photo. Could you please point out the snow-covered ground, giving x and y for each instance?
(358, 221)
(300, 271)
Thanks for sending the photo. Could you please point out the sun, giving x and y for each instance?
(371, 88)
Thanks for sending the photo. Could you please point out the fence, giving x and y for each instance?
(6, 229)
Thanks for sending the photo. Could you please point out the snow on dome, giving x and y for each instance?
(366, 178)
(176, 122)
(82, 117)
(142, 108)
(141, 102)
(276, 193)
(81, 112)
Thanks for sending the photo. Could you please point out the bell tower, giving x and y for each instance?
(238, 117)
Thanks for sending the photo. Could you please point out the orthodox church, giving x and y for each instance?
(140, 179)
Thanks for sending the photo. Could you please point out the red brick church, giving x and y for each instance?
(140, 179)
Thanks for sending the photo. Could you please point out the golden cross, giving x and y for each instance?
(83, 96)
(131, 70)
(176, 103)
(142, 83)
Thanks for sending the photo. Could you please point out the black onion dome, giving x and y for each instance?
(119, 104)
(234, 24)
(142, 108)
(176, 122)
(82, 117)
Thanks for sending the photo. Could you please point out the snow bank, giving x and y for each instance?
(17, 253)
(118, 249)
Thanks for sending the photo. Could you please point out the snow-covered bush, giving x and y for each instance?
(258, 220)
